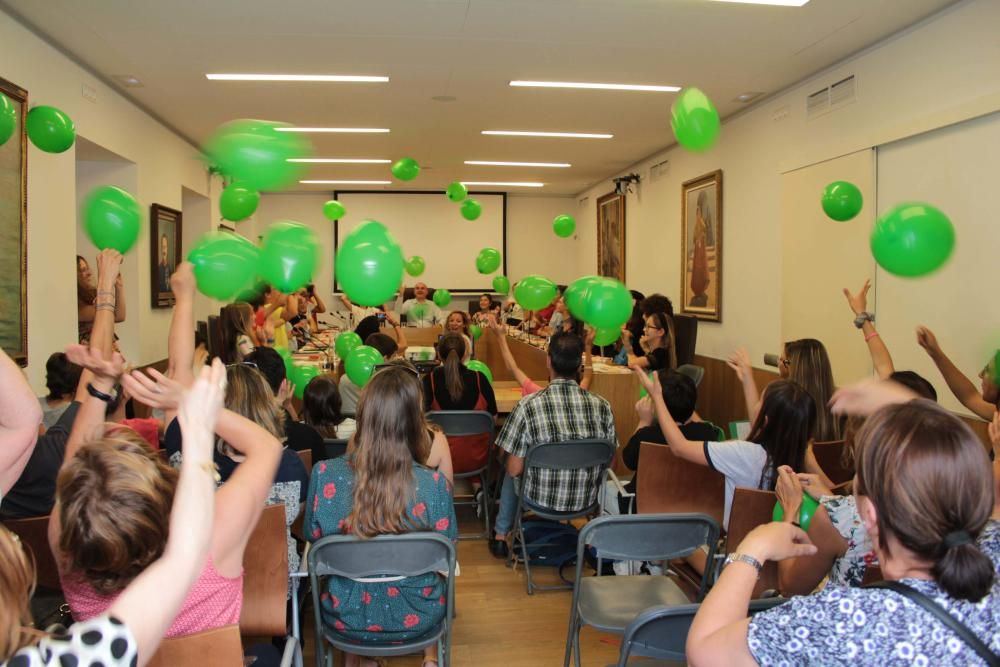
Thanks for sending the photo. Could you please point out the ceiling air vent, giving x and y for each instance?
(842, 92)
(818, 103)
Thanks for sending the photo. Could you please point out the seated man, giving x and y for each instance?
(560, 412)
(419, 311)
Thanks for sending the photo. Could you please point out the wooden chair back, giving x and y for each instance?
(669, 484)
(34, 534)
(218, 646)
(751, 508)
(265, 576)
(828, 456)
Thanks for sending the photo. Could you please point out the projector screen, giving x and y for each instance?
(430, 225)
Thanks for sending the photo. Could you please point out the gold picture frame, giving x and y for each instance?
(611, 236)
(701, 247)
(14, 232)
(165, 253)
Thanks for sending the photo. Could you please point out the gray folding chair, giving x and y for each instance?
(333, 447)
(561, 456)
(696, 373)
(661, 633)
(610, 603)
(408, 555)
(470, 422)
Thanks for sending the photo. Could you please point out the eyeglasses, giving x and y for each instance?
(244, 363)
(784, 361)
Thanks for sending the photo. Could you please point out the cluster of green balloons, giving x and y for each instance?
(441, 298)
(415, 265)
(300, 377)
(345, 342)
(476, 365)
(369, 264)
(406, 169)
(8, 118)
(334, 210)
(501, 285)
(111, 218)
(604, 303)
(535, 292)
(564, 226)
(806, 511)
(256, 153)
(360, 364)
(841, 201)
(912, 239)
(225, 265)
(694, 120)
(488, 260)
(289, 255)
(50, 129)
(238, 203)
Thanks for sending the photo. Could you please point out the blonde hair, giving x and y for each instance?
(17, 585)
(248, 394)
(235, 320)
(810, 367)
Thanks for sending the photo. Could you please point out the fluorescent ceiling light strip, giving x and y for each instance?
(505, 184)
(489, 163)
(595, 86)
(339, 160)
(561, 135)
(782, 3)
(346, 182)
(356, 130)
(336, 78)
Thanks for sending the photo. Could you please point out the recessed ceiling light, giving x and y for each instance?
(514, 184)
(560, 135)
(346, 182)
(358, 130)
(747, 97)
(127, 80)
(595, 86)
(490, 163)
(782, 3)
(339, 160)
(336, 78)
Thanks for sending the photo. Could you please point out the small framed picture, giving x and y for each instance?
(701, 247)
(611, 236)
(165, 250)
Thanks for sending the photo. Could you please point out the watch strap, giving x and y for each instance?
(98, 394)
(743, 558)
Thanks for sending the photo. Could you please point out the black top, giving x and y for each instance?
(34, 493)
(302, 437)
(658, 359)
(637, 330)
(695, 431)
(473, 383)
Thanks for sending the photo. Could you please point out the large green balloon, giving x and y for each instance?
(301, 375)
(694, 120)
(841, 200)
(442, 297)
(564, 226)
(912, 239)
(289, 255)
(369, 264)
(501, 284)
(488, 260)
(607, 336)
(415, 265)
(406, 169)
(345, 342)
(360, 363)
(535, 292)
(256, 153)
(334, 210)
(8, 118)
(286, 356)
(111, 218)
(476, 365)
(607, 304)
(576, 295)
(238, 203)
(806, 511)
(50, 129)
(457, 191)
(471, 209)
(225, 264)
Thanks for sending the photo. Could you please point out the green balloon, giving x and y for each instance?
(476, 365)
(488, 260)
(841, 200)
(8, 118)
(418, 311)
(535, 292)
(471, 209)
(111, 218)
(289, 255)
(301, 375)
(369, 264)
(256, 153)
(564, 226)
(238, 203)
(286, 357)
(442, 297)
(345, 342)
(50, 129)
(912, 239)
(225, 264)
(642, 390)
(475, 331)
(576, 295)
(607, 304)
(501, 285)
(360, 364)
(606, 336)
(334, 210)
(415, 265)
(406, 169)
(806, 511)
(694, 120)
(457, 191)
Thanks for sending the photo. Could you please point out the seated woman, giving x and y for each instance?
(658, 343)
(321, 407)
(924, 493)
(379, 489)
(487, 307)
(61, 378)
(458, 321)
(236, 322)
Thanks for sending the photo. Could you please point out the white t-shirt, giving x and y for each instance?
(425, 314)
(741, 463)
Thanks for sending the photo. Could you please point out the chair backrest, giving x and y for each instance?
(462, 422)
(334, 447)
(667, 483)
(306, 456)
(829, 457)
(686, 334)
(218, 646)
(407, 555)
(696, 373)
(752, 508)
(265, 576)
(570, 454)
(34, 534)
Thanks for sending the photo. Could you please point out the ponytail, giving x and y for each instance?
(451, 350)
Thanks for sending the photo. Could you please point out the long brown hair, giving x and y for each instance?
(17, 585)
(809, 366)
(786, 418)
(249, 395)
(391, 436)
(451, 350)
(86, 293)
(235, 320)
(321, 405)
(929, 478)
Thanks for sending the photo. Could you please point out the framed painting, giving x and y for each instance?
(165, 249)
(14, 231)
(611, 236)
(701, 247)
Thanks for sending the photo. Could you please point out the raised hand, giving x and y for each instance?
(199, 410)
(154, 389)
(109, 262)
(868, 396)
(493, 325)
(858, 302)
(644, 409)
(92, 359)
(739, 361)
(182, 281)
(789, 492)
(927, 340)
(651, 385)
(588, 337)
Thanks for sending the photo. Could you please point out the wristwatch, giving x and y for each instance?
(743, 558)
(863, 317)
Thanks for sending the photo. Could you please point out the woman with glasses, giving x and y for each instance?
(658, 343)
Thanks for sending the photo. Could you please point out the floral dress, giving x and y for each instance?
(849, 569)
(379, 610)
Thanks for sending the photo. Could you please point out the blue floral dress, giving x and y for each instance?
(387, 610)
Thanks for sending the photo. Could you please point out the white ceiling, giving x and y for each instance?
(469, 49)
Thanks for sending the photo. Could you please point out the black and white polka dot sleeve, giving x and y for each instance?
(100, 641)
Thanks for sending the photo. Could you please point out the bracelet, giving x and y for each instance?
(868, 337)
(98, 394)
(212, 469)
(743, 558)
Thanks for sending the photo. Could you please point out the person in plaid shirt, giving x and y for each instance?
(560, 412)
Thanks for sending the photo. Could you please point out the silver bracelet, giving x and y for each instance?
(743, 558)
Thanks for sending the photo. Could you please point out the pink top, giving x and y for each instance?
(148, 428)
(214, 601)
(529, 387)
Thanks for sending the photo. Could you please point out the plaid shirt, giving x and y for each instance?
(562, 411)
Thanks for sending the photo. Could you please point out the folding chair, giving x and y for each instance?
(610, 603)
(752, 508)
(334, 447)
(463, 423)
(696, 373)
(407, 555)
(829, 456)
(34, 534)
(568, 455)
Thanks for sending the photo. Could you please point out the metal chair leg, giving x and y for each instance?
(569, 637)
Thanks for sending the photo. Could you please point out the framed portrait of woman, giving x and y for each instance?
(701, 247)
(14, 231)
(611, 236)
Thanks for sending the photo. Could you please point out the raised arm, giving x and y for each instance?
(500, 337)
(401, 341)
(20, 415)
(962, 387)
(180, 344)
(102, 335)
(686, 449)
(739, 361)
(119, 299)
(881, 359)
